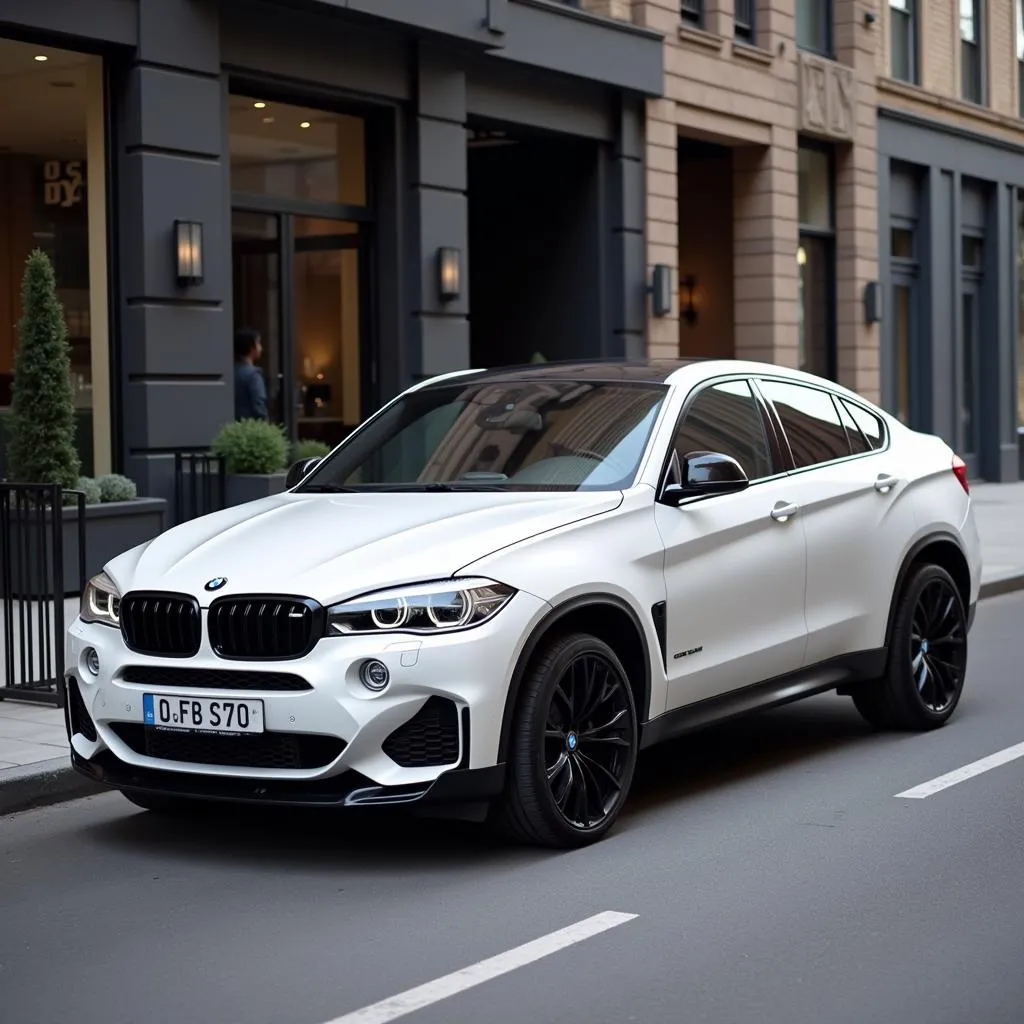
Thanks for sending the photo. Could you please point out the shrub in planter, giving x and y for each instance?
(89, 487)
(114, 487)
(310, 450)
(255, 454)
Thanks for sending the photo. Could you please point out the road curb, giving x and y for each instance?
(41, 784)
(55, 781)
(999, 587)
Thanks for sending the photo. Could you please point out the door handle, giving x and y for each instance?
(783, 510)
(885, 483)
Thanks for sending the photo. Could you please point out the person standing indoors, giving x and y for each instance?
(250, 388)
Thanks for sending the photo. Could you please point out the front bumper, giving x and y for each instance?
(336, 730)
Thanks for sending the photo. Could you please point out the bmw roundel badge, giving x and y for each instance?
(216, 583)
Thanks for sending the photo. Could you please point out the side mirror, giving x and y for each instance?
(298, 471)
(704, 474)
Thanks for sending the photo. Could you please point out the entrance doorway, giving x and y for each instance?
(301, 234)
(301, 282)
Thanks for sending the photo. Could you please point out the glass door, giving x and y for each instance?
(300, 282)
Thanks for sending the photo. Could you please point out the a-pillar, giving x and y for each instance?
(439, 331)
(175, 340)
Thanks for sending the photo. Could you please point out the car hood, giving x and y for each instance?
(332, 546)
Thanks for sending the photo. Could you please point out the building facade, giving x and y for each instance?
(383, 189)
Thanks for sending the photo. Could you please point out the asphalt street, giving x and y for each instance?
(767, 871)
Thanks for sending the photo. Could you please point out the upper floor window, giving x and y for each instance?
(903, 39)
(814, 25)
(1020, 58)
(743, 20)
(971, 79)
(692, 12)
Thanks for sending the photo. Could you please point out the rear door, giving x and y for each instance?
(734, 574)
(856, 511)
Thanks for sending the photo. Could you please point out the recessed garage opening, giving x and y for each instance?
(535, 262)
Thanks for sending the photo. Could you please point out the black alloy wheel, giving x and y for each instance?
(574, 745)
(927, 657)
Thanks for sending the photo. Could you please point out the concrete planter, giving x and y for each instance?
(240, 488)
(110, 529)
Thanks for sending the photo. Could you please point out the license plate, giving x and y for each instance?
(202, 714)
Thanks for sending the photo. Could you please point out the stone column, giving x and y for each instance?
(175, 341)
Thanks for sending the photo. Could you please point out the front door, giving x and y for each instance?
(302, 282)
(735, 564)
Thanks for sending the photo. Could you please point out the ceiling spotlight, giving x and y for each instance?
(304, 124)
(259, 104)
(41, 57)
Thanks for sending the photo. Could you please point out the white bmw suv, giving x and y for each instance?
(506, 583)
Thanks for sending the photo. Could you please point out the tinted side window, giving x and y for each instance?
(858, 442)
(810, 420)
(870, 425)
(726, 418)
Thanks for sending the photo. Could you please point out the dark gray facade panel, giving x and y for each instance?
(552, 35)
(917, 141)
(943, 307)
(268, 40)
(466, 20)
(180, 34)
(904, 188)
(632, 122)
(444, 344)
(443, 222)
(520, 99)
(172, 188)
(442, 155)
(158, 97)
(1003, 444)
(634, 290)
(440, 86)
(974, 200)
(164, 340)
(101, 21)
(634, 205)
(174, 414)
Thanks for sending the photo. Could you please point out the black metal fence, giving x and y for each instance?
(199, 484)
(40, 538)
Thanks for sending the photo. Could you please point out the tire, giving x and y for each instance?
(570, 768)
(159, 803)
(924, 678)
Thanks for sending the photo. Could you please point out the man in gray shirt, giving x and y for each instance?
(250, 388)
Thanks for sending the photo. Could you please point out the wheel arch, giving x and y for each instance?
(605, 616)
(940, 548)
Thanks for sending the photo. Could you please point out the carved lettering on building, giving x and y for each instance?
(827, 98)
(62, 183)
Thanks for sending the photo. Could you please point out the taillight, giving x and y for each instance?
(960, 472)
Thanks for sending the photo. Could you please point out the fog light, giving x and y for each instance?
(374, 675)
(92, 661)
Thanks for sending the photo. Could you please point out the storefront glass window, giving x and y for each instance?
(53, 196)
(1020, 319)
(296, 153)
(816, 262)
(814, 188)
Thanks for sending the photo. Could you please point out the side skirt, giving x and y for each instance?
(827, 675)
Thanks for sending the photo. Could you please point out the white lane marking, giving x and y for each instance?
(485, 970)
(963, 774)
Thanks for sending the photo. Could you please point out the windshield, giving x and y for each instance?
(520, 435)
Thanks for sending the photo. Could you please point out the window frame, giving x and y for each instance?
(1018, 19)
(692, 13)
(836, 399)
(824, 47)
(746, 32)
(913, 57)
(978, 45)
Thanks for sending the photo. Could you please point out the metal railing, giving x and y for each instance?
(199, 484)
(40, 539)
(743, 20)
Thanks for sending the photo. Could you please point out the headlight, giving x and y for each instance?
(426, 608)
(101, 602)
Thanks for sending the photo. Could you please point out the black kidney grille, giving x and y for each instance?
(428, 739)
(264, 628)
(171, 677)
(162, 624)
(264, 750)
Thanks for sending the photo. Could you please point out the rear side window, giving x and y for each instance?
(870, 425)
(726, 418)
(858, 442)
(810, 421)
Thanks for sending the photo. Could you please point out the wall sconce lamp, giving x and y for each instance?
(660, 289)
(188, 248)
(872, 302)
(449, 273)
(688, 310)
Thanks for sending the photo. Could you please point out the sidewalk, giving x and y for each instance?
(34, 767)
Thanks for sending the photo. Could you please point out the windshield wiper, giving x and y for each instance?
(443, 486)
